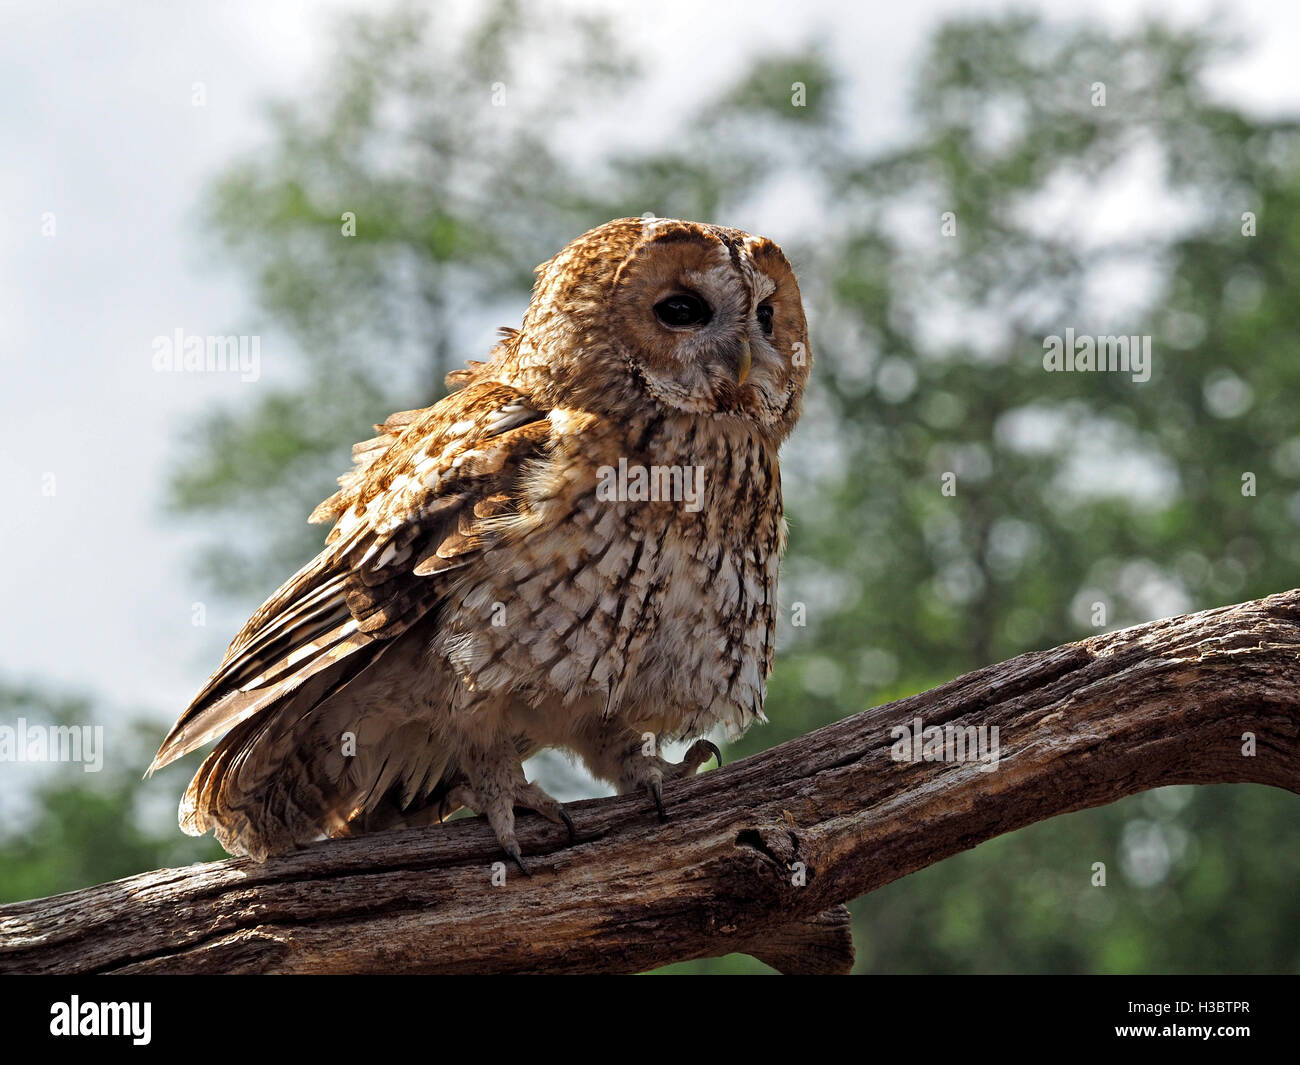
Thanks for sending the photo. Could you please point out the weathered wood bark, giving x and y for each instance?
(1080, 725)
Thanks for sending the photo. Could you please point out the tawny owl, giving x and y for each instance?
(577, 547)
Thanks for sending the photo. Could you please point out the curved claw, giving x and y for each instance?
(717, 754)
(568, 823)
(512, 849)
(657, 793)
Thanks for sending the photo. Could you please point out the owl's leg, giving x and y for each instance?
(493, 785)
(627, 760)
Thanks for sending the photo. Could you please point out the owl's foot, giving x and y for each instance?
(647, 771)
(496, 797)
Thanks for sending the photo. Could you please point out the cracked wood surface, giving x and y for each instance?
(1080, 725)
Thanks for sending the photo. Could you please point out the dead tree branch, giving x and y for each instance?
(1084, 724)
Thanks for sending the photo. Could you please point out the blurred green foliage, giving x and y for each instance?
(1073, 489)
(73, 828)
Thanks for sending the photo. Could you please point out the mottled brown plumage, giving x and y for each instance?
(492, 586)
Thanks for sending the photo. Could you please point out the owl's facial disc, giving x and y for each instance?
(712, 324)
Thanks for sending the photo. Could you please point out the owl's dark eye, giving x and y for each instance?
(683, 309)
(764, 315)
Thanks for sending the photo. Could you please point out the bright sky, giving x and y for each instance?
(97, 130)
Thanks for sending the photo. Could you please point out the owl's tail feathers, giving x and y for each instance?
(266, 790)
(258, 797)
(392, 812)
(316, 763)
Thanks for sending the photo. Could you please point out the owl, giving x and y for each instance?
(577, 548)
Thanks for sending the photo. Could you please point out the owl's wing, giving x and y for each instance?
(411, 511)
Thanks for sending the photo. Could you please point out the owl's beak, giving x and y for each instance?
(745, 361)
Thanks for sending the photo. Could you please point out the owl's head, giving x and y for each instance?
(697, 319)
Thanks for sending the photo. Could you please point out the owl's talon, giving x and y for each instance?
(531, 797)
(657, 793)
(505, 788)
(568, 823)
(647, 771)
(512, 849)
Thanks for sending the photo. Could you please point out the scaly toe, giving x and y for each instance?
(531, 797)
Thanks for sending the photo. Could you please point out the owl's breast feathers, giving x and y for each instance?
(639, 570)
